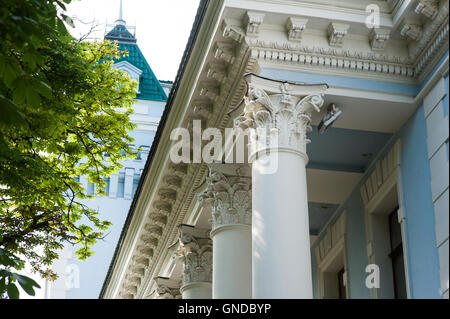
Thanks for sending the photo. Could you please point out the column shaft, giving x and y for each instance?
(198, 290)
(232, 263)
(281, 247)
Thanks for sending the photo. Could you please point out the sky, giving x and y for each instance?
(162, 27)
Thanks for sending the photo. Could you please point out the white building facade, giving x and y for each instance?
(359, 210)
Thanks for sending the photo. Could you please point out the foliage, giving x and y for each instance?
(62, 108)
(8, 278)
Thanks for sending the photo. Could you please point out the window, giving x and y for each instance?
(107, 181)
(91, 189)
(121, 186)
(135, 184)
(396, 255)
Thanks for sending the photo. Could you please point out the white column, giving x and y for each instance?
(228, 195)
(278, 115)
(196, 253)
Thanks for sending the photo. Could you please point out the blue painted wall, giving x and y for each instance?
(357, 259)
(420, 234)
(333, 80)
(422, 253)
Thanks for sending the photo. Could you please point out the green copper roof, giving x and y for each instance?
(120, 33)
(149, 86)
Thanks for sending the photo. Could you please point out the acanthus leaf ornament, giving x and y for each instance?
(278, 114)
(228, 195)
(196, 254)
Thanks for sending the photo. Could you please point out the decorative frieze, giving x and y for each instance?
(337, 33)
(168, 195)
(435, 35)
(253, 21)
(224, 51)
(428, 8)
(210, 91)
(345, 60)
(130, 290)
(217, 71)
(278, 114)
(432, 49)
(152, 231)
(333, 235)
(196, 254)
(201, 110)
(233, 32)
(382, 178)
(133, 279)
(379, 38)
(295, 27)
(167, 288)
(228, 194)
(411, 30)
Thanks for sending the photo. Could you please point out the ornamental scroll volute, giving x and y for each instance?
(278, 114)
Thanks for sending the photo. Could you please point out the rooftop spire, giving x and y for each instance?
(120, 21)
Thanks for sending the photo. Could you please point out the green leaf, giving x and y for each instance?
(12, 290)
(33, 97)
(26, 283)
(10, 114)
(61, 27)
(5, 273)
(19, 94)
(43, 88)
(2, 285)
(68, 20)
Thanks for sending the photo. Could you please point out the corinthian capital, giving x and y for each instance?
(196, 254)
(167, 288)
(228, 193)
(278, 114)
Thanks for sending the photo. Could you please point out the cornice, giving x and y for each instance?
(288, 49)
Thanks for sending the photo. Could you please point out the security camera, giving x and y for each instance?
(333, 112)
